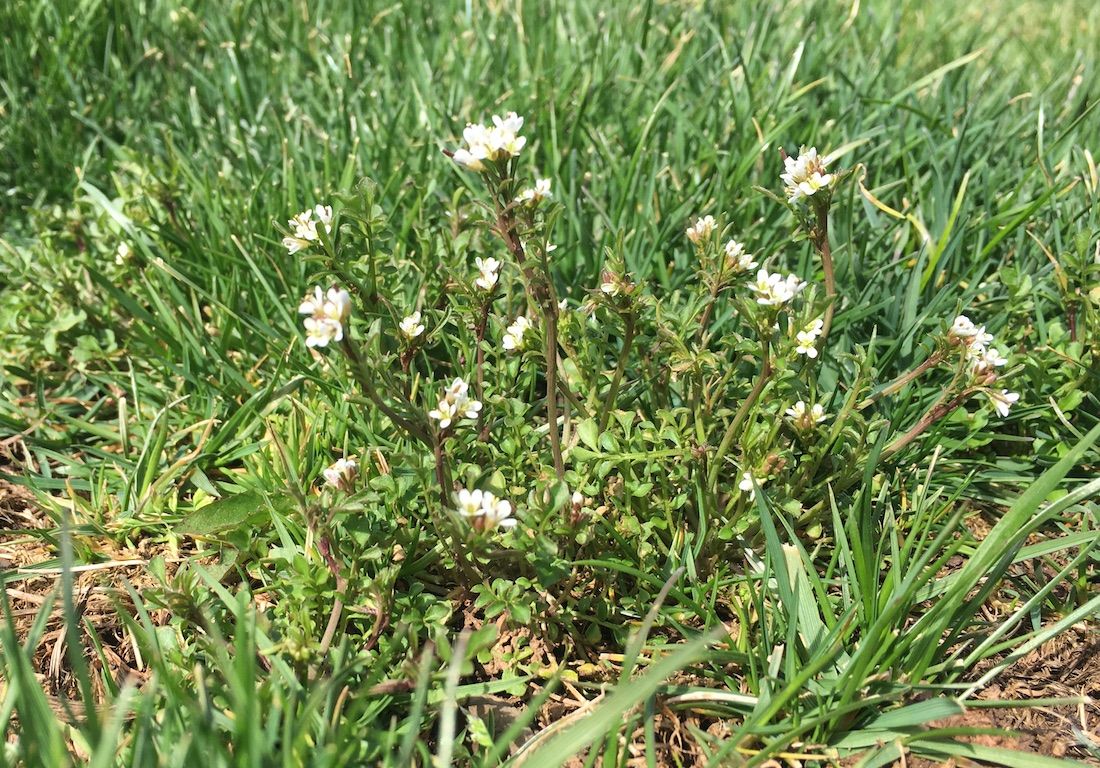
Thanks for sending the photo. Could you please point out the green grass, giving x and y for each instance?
(139, 387)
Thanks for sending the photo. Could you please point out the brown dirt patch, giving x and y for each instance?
(32, 580)
(1064, 667)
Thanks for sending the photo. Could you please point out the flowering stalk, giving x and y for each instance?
(362, 377)
(899, 383)
(620, 368)
(734, 429)
(942, 407)
(806, 179)
(325, 548)
(704, 319)
(479, 334)
(820, 239)
(540, 292)
(442, 473)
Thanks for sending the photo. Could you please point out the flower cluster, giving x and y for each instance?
(342, 474)
(774, 290)
(804, 175)
(488, 273)
(806, 418)
(536, 194)
(411, 327)
(699, 232)
(326, 315)
(513, 336)
(806, 339)
(983, 358)
(303, 228)
(455, 403)
(614, 284)
(738, 260)
(484, 510)
(489, 144)
(702, 230)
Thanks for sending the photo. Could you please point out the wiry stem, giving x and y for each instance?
(821, 243)
(899, 383)
(734, 429)
(620, 368)
(538, 286)
(415, 430)
(942, 407)
(704, 319)
(324, 546)
(442, 475)
(479, 333)
(551, 345)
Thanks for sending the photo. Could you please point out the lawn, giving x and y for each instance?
(487, 382)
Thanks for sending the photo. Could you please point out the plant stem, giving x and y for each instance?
(479, 333)
(539, 292)
(442, 475)
(704, 319)
(551, 345)
(358, 371)
(734, 430)
(897, 384)
(324, 546)
(942, 407)
(821, 243)
(620, 368)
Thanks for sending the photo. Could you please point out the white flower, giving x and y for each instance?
(497, 512)
(774, 290)
(975, 340)
(122, 254)
(797, 412)
(468, 408)
(444, 413)
(737, 259)
(536, 194)
(747, 486)
(980, 338)
(469, 503)
(411, 326)
(504, 138)
(490, 144)
(805, 419)
(488, 270)
(701, 230)
(304, 229)
(294, 244)
(327, 314)
(513, 337)
(963, 328)
(804, 175)
(989, 359)
(342, 474)
(324, 216)
(455, 403)
(1002, 400)
(806, 339)
(303, 225)
(484, 510)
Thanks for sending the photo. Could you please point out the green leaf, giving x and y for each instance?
(589, 434)
(1010, 758)
(232, 512)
